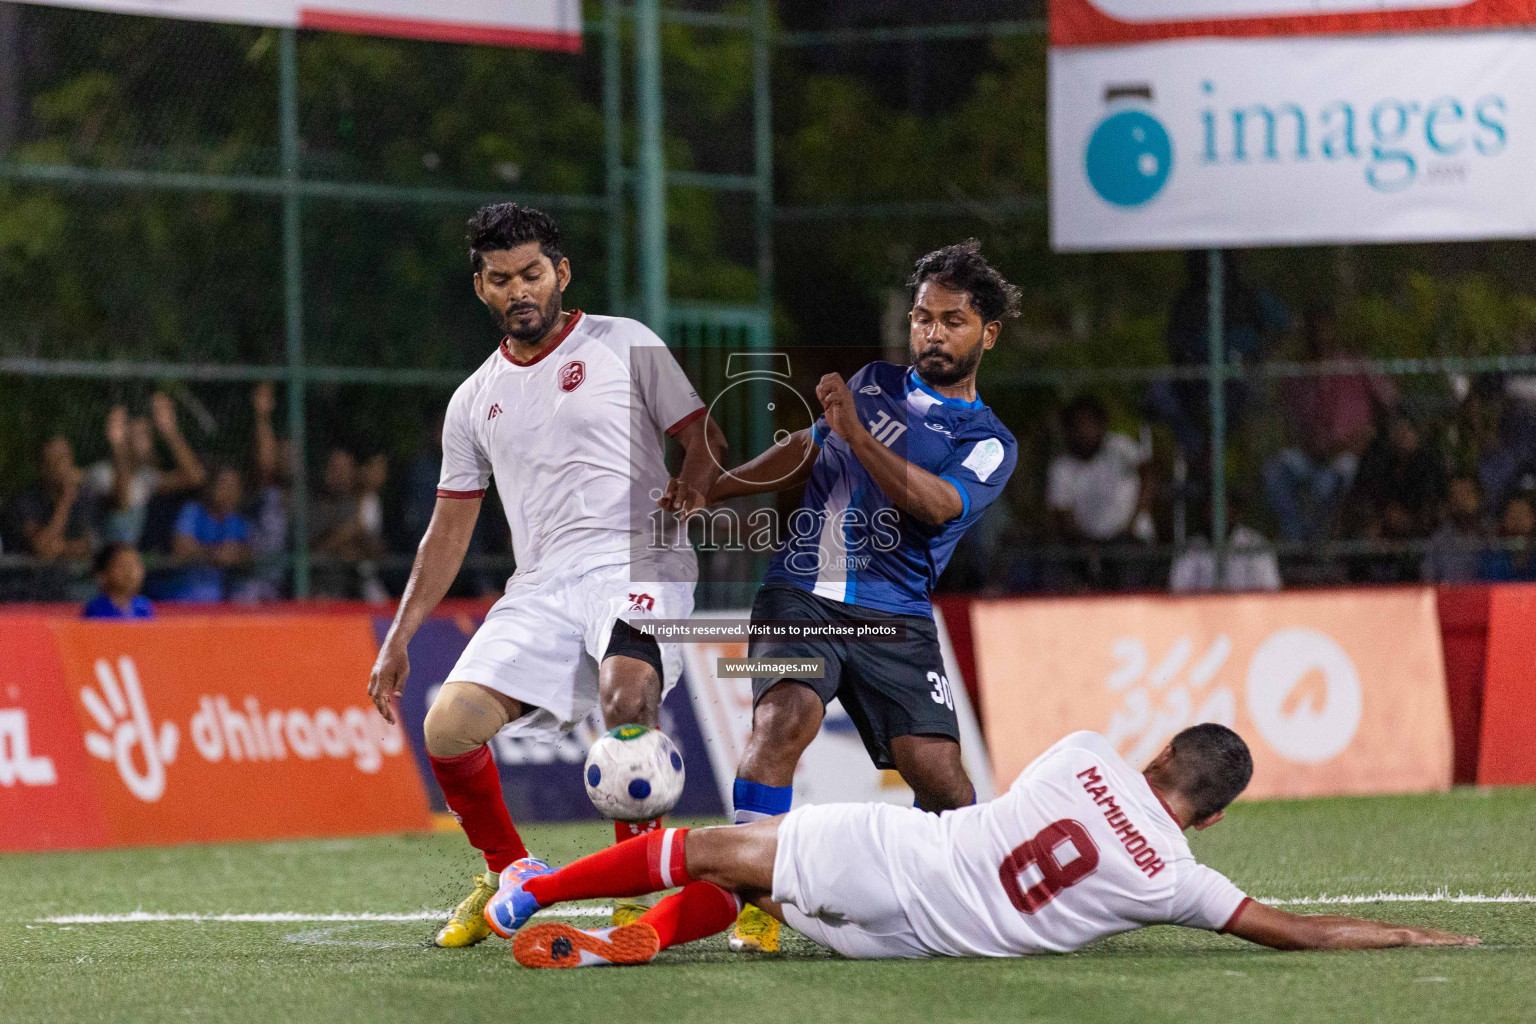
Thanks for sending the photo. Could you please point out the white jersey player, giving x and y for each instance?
(1082, 846)
(569, 415)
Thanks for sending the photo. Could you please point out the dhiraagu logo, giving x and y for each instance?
(1130, 154)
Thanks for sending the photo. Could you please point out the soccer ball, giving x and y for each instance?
(634, 773)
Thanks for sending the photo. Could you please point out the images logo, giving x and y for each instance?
(1130, 155)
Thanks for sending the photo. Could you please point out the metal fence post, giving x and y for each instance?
(613, 151)
(1217, 375)
(761, 428)
(651, 190)
(293, 303)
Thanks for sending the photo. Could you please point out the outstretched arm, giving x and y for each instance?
(778, 468)
(188, 474)
(1280, 930)
(438, 558)
(911, 488)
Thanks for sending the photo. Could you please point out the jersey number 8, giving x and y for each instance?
(1040, 853)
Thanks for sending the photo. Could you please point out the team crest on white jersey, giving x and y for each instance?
(572, 374)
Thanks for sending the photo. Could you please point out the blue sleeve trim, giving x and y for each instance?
(819, 433)
(965, 495)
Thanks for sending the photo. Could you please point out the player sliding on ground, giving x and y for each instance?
(1080, 847)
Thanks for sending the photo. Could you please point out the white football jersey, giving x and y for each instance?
(574, 439)
(1078, 848)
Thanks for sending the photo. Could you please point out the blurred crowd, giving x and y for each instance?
(155, 520)
(1335, 474)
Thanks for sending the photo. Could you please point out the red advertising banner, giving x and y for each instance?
(47, 799)
(197, 730)
(1337, 692)
(1507, 750)
(1118, 22)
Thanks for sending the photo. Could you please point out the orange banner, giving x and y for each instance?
(1337, 692)
(211, 729)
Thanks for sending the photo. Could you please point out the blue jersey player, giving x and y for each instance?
(902, 462)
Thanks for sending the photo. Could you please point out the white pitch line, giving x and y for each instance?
(289, 917)
(1403, 897)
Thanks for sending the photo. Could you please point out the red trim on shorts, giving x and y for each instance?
(1236, 914)
(441, 493)
(686, 420)
(570, 325)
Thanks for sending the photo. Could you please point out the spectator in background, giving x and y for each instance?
(1251, 318)
(371, 477)
(119, 572)
(211, 539)
(52, 520)
(1334, 417)
(1397, 496)
(1401, 472)
(269, 513)
(1099, 489)
(1494, 436)
(122, 485)
(338, 529)
(1456, 550)
(1250, 564)
(1516, 560)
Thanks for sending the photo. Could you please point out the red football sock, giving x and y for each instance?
(634, 868)
(472, 786)
(624, 830)
(702, 909)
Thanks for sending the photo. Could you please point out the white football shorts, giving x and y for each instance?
(831, 875)
(542, 642)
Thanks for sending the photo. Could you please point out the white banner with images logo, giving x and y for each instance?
(1222, 142)
(546, 24)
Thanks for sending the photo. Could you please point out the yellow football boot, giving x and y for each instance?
(467, 925)
(627, 912)
(755, 932)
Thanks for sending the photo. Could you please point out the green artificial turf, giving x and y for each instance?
(1470, 841)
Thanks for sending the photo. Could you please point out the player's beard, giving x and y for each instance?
(937, 369)
(529, 329)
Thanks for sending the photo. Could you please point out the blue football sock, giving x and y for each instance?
(754, 800)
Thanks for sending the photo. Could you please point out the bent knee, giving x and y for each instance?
(464, 716)
(630, 706)
(937, 776)
(789, 714)
(946, 794)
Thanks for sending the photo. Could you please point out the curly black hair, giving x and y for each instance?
(507, 225)
(962, 267)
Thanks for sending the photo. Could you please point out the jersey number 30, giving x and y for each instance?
(1040, 853)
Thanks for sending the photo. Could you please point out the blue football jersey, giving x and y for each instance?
(848, 541)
